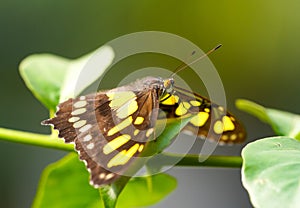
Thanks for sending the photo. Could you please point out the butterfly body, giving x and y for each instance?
(111, 128)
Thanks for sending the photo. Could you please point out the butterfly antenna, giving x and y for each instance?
(184, 65)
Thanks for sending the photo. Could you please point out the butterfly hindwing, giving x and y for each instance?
(109, 129)
(210, 120)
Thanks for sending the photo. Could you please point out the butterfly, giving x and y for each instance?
(111, 128)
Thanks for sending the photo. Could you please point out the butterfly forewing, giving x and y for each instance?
(109, 129)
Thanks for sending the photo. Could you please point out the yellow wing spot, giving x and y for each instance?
(122, 125)
(139, 120)
(127, 109)
(80, 104)
(200, 119)
(78, 111)
(123, 157)
(149, 132)
(171, 99)
(221, 108)
(118, 99)
(116, 143)
(207, 110)
(182, 108)
(228, 124)
(195, 103)
(224, 137)
(136, 132)
(218, 127)
(141, 148)
(165, 96)
(79, 124)
(233, 137)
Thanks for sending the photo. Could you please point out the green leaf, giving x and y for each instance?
(66, 184)
(146, 191)
(270, 172)
(84, 71)
(110, 193)
(139, 191)
(283, 123)
(44, 74)
(166, 131)
(53, 79)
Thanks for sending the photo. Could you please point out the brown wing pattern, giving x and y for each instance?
(125, 123)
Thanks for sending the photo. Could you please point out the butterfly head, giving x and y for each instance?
(167, 87)
(163, 86)
(168, 84)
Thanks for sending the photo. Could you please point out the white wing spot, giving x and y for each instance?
(73, 119)
(102, 175)
(149, 132)
(78, 111)
(80, 104)
(85, 128)
(87, 138)
(90, 146)
(79, 124)
(82, 98)
(109, 176)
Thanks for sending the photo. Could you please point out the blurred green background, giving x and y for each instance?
(259, 61)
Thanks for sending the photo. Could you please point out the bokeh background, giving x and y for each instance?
(259, 61)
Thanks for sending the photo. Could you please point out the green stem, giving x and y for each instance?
(110, 194)
(108, 197)
(41, 140)
(169, 159)
(212, 161)
(165, 159)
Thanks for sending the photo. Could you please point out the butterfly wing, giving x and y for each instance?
(210, 121)
(109, 129)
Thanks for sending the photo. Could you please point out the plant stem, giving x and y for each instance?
(212, 161)
(171, 159)
(164, 159)
(41, 140)
(109, 198)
